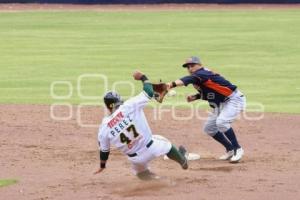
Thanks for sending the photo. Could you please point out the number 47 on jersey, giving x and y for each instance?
(125, 139)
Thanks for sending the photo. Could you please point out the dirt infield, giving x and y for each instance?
(151, 7)
(56, 159)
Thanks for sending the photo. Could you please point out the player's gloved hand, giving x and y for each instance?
(99, 171)
(160, 91)
(137, 75)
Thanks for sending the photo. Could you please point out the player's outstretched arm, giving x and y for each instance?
(173, 84)
(184, 81)
(156, 90)
(147, 86)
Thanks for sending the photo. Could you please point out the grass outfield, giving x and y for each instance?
(7, 182)
(257, 50)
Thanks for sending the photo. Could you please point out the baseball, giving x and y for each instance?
(171, 93)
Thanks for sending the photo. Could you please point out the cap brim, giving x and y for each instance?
(186, 64)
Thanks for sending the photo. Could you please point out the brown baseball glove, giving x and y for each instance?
(160, 91)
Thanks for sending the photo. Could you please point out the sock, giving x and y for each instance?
(175, 155)
(223, 140)
(231, 136)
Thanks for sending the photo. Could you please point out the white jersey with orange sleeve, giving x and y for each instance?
(127, 128)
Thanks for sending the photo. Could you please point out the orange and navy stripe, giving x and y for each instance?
(225, 91)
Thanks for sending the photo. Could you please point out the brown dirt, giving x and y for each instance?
(56, 159)
(152, 7)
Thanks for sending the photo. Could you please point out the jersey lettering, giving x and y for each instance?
(115, 120)
(117, 129)
(113, 133)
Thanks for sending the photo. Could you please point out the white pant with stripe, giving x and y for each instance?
(221, 117)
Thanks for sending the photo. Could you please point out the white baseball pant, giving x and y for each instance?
(221, 117)
(161, 146)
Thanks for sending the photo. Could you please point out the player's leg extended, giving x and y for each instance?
(178, 155)
(211, 129)
(162, 146)
(228, 114)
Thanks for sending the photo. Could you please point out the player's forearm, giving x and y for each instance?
(177, 83)
(147, 86)
(103, 158)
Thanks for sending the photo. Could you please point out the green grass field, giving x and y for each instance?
(257, 50)
(7, 182)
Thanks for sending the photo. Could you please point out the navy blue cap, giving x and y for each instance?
(191, 60)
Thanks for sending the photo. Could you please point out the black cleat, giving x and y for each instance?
(183, 152)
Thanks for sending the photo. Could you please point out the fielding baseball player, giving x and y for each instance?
(127, 129)
(225, 99)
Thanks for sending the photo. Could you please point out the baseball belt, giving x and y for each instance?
(135, 154)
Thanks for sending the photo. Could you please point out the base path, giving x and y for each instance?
(56, 159)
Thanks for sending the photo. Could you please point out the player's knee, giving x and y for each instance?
(208, 129)
(222, 125)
